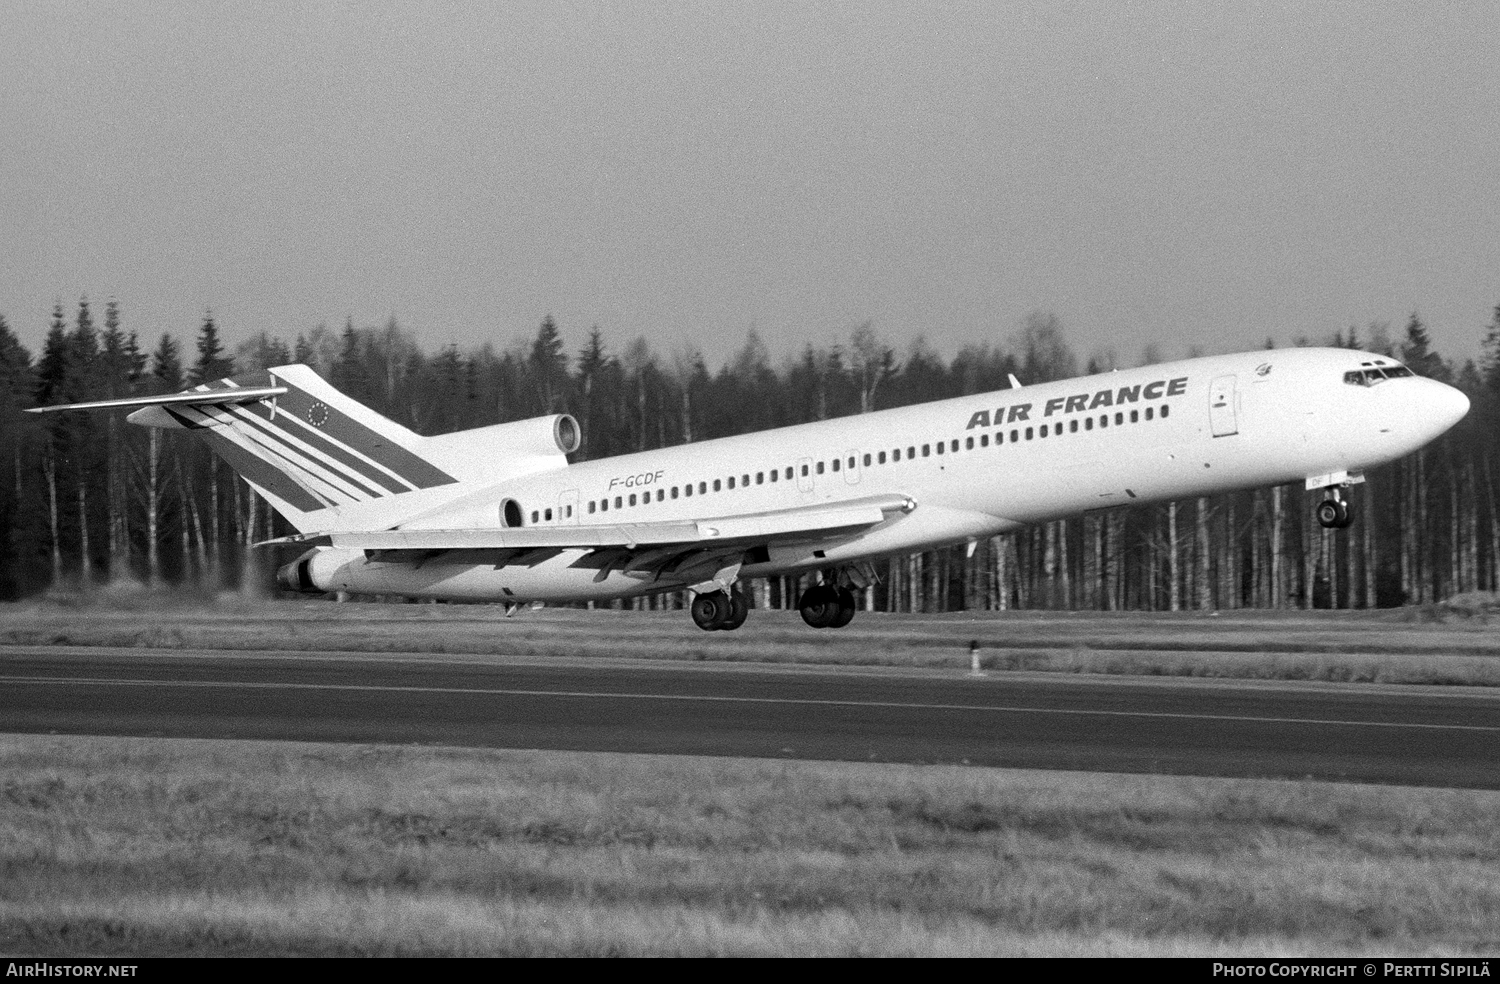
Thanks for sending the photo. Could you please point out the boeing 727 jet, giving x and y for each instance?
(499, 514)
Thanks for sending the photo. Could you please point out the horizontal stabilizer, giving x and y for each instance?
(204, 397)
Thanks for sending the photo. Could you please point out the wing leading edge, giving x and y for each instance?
(752, 528)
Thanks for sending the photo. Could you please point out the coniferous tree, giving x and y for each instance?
(212, 364)
(548, 364)
(17, 541)
(1489, 366)
(166, 365)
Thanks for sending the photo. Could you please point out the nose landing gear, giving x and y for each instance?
(1333, 511)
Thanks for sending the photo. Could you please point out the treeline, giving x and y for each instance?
(90, 501)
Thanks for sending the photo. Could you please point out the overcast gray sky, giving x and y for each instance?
(1189, 174)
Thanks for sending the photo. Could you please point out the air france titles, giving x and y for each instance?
(1081, 402)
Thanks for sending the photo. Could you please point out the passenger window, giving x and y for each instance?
(1119, 418)
(1148, 413)
(592, 506)
(1104, 420)
(661, 494)
(788, 473)
(820, 468)
(604, 505)
(774, 474)
(1135, 416)
(968, 444)
(804, 470)
(619, 502)
(632, 498)
(984, 440)
(534, 516)
(1072, 427)
(835, 464)
(1028, 433)
(940, 447)
(954, 446)
(911, 452)
(760, 478)
(687, 491)
(1088, 423)
(1043, 431)
(926, 450)
(896, 454)
(1164, 409)
(744, 481)
(674, 491)
(867, 461)
(1015, 433)
(731, 482)
(881, 459)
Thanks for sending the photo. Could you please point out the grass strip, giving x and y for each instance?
(156, 847)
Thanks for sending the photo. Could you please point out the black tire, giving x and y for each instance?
(1330, 514)
(710, 609)
(819, 606)
(1346, 518)
(739, 610)
(847, 607)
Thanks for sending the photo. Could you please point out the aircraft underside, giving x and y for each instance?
(572, 576)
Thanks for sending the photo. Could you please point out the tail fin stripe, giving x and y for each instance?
(407, 465)
(283, 451)
(306, 473)
(315, 447)
(264, 475)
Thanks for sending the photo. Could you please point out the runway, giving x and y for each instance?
(1426, 736)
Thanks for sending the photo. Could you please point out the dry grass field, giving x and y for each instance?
(153, 847)
(1453, 644)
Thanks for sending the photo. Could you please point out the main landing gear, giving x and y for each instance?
(825, 606)
(1333, 511)
(715, 610)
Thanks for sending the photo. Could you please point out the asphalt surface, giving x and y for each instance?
(1427, 736)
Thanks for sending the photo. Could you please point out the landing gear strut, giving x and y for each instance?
(827, 607)
(1333, 512)
(715, 610)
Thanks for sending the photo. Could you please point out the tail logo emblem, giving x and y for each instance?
(317, 414)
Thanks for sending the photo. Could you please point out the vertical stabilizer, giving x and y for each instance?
(313, 452)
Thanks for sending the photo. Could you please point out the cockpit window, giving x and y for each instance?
(1369, 377)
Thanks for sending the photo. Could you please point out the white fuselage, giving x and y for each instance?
(975, 466)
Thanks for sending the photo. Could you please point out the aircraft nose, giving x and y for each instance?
(1444, 404)
(1448, 404)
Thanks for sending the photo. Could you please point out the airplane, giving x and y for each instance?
(498, 513)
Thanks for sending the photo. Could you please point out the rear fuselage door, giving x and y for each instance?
(1221, 410)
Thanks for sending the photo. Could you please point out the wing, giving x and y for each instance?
(681, 549)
